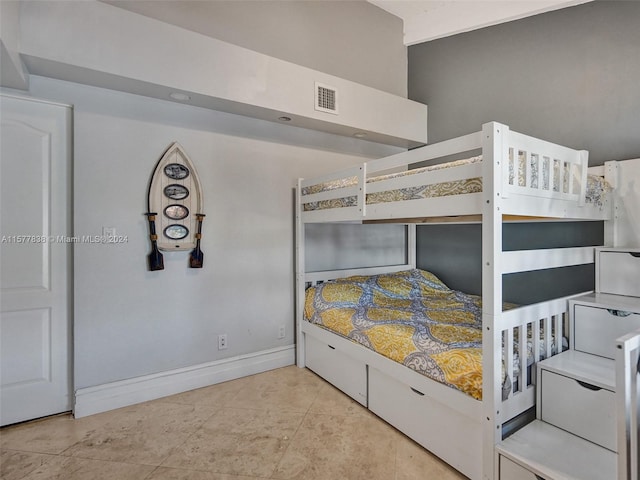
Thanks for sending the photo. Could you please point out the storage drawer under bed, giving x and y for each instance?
(337, 368)
(418, 416)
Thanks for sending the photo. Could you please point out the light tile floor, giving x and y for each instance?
(283, 424)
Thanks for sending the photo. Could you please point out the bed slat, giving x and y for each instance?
(454, 146)
(509, 354)
(429, 177)
(523, 380)
(530, 260)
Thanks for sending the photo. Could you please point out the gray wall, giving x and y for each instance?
(354, 40)
(454, 252)
(569, 76)
(337, 246)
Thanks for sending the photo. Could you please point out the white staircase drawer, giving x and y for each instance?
(597, 328)
(512, 471)
(579, 408)
(619, 272)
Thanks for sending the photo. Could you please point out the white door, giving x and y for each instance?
(35, 259)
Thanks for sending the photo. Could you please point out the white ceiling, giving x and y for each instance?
(426, 20)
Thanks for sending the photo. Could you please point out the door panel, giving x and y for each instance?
(27, 157)
(35, 259)
(26, 347)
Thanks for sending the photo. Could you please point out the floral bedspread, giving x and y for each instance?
(412, 318)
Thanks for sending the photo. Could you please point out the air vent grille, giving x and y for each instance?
(326, 98)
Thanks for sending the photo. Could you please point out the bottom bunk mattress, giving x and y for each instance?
(413, 318)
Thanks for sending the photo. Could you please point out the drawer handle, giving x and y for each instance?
(588, 386)
(618, 313)
(331, 347)
(635, 254)
(538, 477)
(417, 391)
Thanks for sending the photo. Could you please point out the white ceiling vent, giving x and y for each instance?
(326, 99)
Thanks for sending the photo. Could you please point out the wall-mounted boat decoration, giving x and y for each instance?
(175, 206)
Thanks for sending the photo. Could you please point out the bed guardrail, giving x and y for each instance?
(543, 169)
(429, 153)
(526, 167)
(529, 334)
(337, 196)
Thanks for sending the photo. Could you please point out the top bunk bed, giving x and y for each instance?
(515, 176)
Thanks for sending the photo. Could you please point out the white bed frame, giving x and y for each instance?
(459, 429)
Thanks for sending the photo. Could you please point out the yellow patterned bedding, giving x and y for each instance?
(410, 317)
(595, 194)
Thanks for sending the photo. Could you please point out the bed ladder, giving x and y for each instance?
(548, 452)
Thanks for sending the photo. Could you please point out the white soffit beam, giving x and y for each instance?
(426, 20)
(97, 44)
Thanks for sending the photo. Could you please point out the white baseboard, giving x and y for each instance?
(109, 396)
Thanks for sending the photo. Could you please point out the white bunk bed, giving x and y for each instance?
(522, 178)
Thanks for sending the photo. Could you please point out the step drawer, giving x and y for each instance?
(338, 368)
(512, 471)
(619, 272)
(579, 408)
(596, 328)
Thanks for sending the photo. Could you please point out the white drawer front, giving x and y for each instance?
(578, 408)
(337, 368)
(512, 471)
(619, 273)
(596, 329)
(444, 432)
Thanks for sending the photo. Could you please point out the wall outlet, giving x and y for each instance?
(281, 331)
(222, 341)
